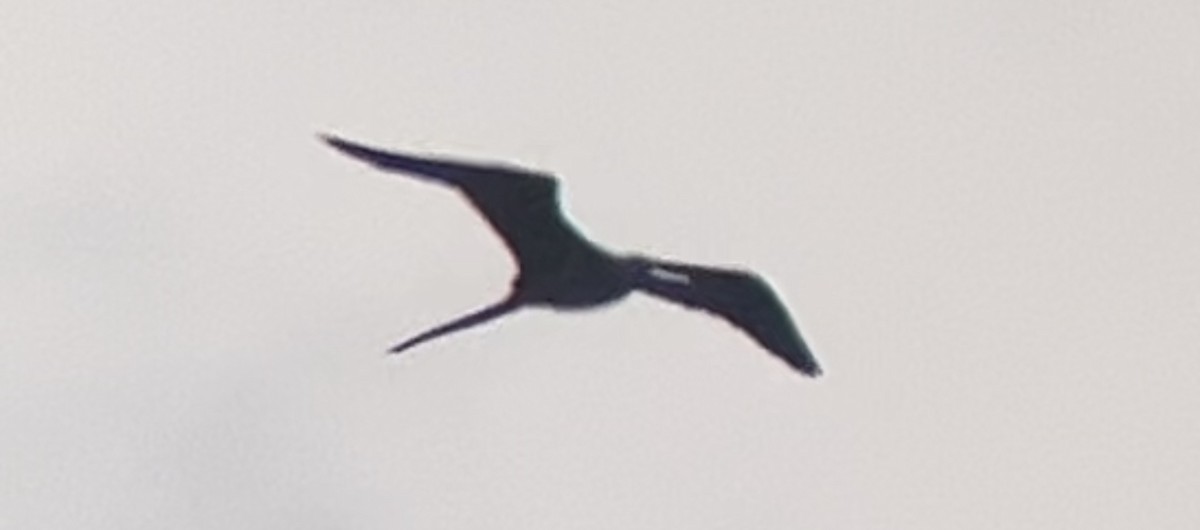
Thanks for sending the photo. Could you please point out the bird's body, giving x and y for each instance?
(559, 267)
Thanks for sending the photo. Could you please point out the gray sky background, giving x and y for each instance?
(984, 215)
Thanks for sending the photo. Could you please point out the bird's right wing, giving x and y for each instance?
(521, 206)
(741, 298)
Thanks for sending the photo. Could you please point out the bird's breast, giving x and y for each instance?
(579, 284)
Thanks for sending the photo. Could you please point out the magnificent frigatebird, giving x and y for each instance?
(558, 267)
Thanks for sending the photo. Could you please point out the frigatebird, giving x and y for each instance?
(558, 267)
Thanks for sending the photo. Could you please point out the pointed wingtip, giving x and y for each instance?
(806, 365)
(800, 360)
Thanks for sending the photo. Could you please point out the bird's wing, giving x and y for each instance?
(741, 298)
(521, 205)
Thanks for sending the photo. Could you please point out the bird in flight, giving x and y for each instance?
(558, 267)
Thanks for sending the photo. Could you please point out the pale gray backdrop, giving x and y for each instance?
(983, 213)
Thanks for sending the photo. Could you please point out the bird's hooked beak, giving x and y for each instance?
(645, 268)
(637, 265)
(670, 276)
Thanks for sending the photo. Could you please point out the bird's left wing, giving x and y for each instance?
(521, 205)
(742, 298)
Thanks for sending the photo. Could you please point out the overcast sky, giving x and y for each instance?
(982, 213)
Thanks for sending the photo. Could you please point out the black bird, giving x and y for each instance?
(558, 267)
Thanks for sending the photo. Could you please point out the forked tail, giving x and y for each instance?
(491, 312)
(438, 170)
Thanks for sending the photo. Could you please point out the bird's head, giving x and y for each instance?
(637, 264)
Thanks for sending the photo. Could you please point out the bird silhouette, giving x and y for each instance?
(560, 268)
